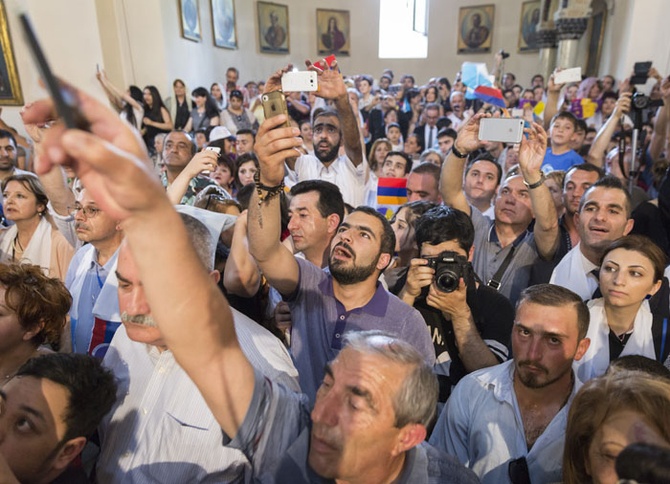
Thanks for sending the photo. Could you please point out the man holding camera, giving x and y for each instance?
(505, 249)
(469, 322)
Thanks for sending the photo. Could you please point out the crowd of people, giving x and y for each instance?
(192, 292)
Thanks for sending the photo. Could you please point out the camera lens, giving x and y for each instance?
(447, 281)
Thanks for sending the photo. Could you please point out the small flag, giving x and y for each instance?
(391, 194)
(490, 95)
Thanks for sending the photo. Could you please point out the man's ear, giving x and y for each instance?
(384, 261)
(582, 346)
(68, 452)
(629, 226)
(410, 436)
(215, 276)
(471, 253)
(332, 222)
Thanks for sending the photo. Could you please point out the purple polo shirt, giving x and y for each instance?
(320, 321)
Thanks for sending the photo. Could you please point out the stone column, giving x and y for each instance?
(571, 21)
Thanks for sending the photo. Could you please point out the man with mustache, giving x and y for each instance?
(604, 215)
(507, 423)
(326, 304)
(160, 428)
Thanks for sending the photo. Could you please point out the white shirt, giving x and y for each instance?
(161, 429)
(574, 273)
(349, 178)
(481, 426)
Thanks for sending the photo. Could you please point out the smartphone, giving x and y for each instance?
(505, 130)
(274, 104)
(216, 150)
(564, 76)
(299, 81)
(640, 72)
(64, 97)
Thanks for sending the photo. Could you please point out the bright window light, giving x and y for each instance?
(403, 29)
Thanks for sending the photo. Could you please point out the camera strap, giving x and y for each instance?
(494, 282)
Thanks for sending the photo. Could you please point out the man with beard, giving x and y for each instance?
(507, 423)
(330, 130)
(326, 304)
(603, 216)
(157, 398)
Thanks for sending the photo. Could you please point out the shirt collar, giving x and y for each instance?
(376, 306)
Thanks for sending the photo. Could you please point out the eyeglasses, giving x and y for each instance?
(89, 212)
(518, 471)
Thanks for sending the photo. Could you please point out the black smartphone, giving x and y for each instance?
(640, 73)
(63, 96)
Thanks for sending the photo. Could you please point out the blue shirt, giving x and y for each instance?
(560, 162)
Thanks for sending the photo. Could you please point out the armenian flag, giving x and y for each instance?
(391, 194)
(490, 95)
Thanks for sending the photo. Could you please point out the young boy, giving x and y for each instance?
(561, 133)
(394, 136)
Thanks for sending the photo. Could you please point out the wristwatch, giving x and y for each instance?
(531, 186)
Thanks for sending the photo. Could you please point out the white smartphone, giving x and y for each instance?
(216, 150)
(564, 76)
(504, 130)
(299, 81)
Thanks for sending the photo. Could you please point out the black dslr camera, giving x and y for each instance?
(449, 268)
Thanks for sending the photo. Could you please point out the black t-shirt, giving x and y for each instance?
(493, 315)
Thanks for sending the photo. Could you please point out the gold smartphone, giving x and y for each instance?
(274, 104)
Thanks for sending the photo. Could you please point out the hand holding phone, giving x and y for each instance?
(64, 97)
(274, 104)
(565, 76)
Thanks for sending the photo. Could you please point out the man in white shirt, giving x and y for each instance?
(603, 216)
(508, 422)
(160, 429)
(331, 129)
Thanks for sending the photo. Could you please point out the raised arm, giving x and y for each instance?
(553, 98)
(331, 86)
(659, 137)
(54, 181)
(273, 145)
(597, 153)
(531, 155)
(451, 179)
(113, 165)
(241, 276)
(203, 161)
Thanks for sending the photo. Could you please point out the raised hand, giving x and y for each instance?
(330, 81)
(532, 152)
(274, 144)
(468, 136)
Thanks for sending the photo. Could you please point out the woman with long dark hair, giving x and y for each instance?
(156, 117)
(128, 104)
(205, 113)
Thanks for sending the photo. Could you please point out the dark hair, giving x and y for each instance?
(211, 108)
(246, 131)
(639, 363)
(404, 156)
(555, 296)
(442, 123)
(645, 246)
(241, 160)
(157, 102)
(236, 93)
(135, 93)
(388, 235)
(428, 168)
(581, 125)
(443, 223)
(327, 112)
(37, 300)
(366, 77)
(567, 115)
(416, 208)
(612, 183)
(609, 95)
(445, 81)
(433, 106)
(590, 167)
(486, 156)
(447, 132)
(419, 141)
(412, 93)
(641, 462)
(4, 134)
(91, 388)
(330, 197)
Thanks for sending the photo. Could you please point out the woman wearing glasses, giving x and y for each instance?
(32, 238)
(34, 310)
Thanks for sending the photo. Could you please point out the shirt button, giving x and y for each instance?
(337, 335)
(342, 318)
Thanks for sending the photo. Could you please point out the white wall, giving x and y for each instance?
(68, 32)
(139, 41)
